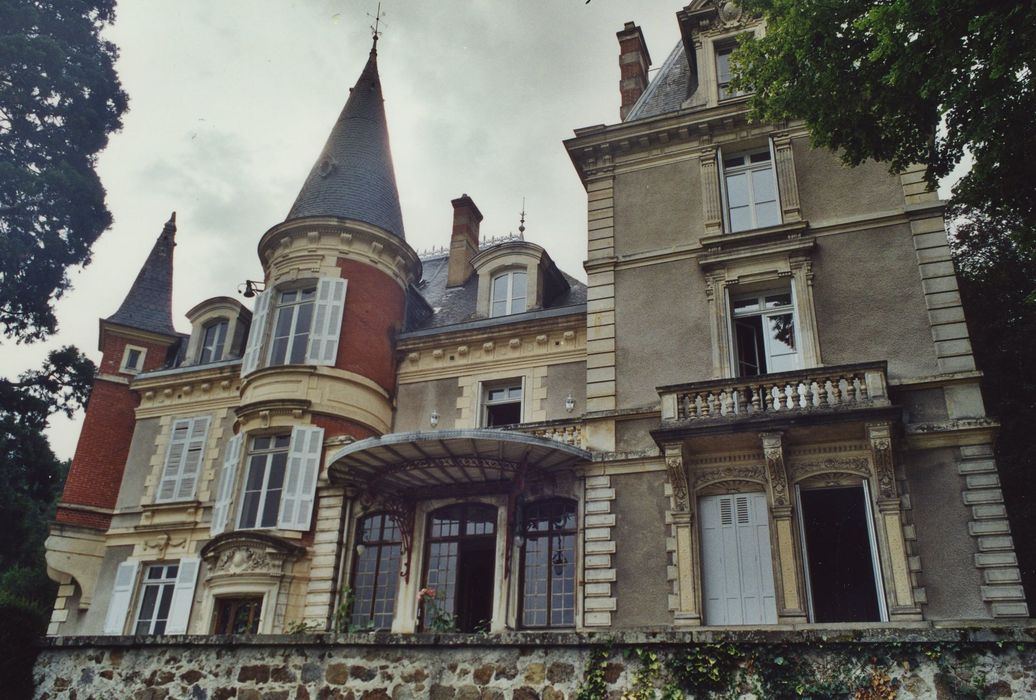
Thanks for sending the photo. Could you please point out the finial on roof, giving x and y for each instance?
(375, 30)
(148, 305)
(171, 224)
(521, 223)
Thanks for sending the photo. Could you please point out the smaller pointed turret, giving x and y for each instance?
(149, 304)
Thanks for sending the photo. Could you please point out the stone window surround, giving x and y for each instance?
(684, 486)
(506, 594)
(515, 255)
(125, 367)
(706, 46)
(212, 311)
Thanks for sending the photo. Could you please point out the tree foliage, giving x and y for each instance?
(59, 100)
(909, 81)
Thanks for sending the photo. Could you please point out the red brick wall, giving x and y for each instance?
(334, 426)
(114, 346)
(97, 521)
(96, 473)
(374, 310)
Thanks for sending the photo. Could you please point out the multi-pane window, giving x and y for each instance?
(376, 571)
(508, 293)
(183, 459)
(461, 564)
(502, 404)
(723, 74)
(156, 598)
(549, 564)
(212, 341)
(764, 333)
(750, 188)
(292, 323)
(264, 481)
(238, 615)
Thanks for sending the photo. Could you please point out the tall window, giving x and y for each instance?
(238, 615)
(376, 571)
(723, 75)
(764, 333)
(502, 404)
(156, 598)
(751, 191)
(291, 326)
(212, 342)
(461, 562)
(508, 293)
(183, 459)
(549, 564)
(264, 481)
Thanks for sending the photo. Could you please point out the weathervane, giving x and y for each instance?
(376, 27)
(521, 223)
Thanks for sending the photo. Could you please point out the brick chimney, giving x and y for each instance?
(634, 61)
(464, 240)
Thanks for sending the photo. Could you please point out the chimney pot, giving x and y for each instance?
(634, 61)
(463, 240)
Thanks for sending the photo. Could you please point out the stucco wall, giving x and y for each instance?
(941, 519)
(943, 664)
(562, 380)
(415, 403)
(661, 330)
(138, 464)
(640, 558)
(869, 302)
(658, 207)
(830, 191)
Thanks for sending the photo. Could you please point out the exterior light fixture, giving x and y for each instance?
(249, 288)
(570, 403)
(360, 549)
(434, 418)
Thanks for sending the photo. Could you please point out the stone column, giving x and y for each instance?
(787, 573)
(786, 184)
(710, 192)
(892, 549)
(685, 570)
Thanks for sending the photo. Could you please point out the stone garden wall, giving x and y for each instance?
(873, 664)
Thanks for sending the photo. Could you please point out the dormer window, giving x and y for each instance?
(132, 359)
(723, 76)
(213, 342)
(509, 293)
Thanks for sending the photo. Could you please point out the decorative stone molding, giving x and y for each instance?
(684, 571)
(880, 438)
(786, 181)
(776, 474)
(239, 554)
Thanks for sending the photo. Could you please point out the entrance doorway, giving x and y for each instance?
(842, 576)
(461, 564)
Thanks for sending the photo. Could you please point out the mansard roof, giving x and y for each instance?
(671, 87)
(353, 176)
(149, 304)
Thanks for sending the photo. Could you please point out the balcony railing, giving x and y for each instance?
(569, 432)
(844, 387)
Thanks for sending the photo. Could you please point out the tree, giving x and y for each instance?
(59, 100)
(909, 81)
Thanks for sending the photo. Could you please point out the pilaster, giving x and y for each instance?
(598, 552)
(685, 600)
(710, 192)
(320, 587)
(788, 581)
(786, 183)
(600, 297)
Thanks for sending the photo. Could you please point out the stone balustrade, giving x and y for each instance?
(818, 389)
(567, 432)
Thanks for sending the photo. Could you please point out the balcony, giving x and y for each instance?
(826, 393)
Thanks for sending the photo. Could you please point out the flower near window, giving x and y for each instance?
(436, 617)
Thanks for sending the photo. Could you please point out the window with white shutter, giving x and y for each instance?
(183, 459)
(257, 333)
(225, 489)
(300, 481)
(183, 596)
(122, 595)
(737, 570)
(327, 322)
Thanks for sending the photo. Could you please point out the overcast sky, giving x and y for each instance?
(230, 103)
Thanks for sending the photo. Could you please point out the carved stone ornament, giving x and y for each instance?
(883, 467)
(678, 481)
(748, 472)
(729, 11)
(833, 465)
(248, 553)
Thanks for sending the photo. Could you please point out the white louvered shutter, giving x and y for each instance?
(736, 565)
(300, 480)
(183, 596)
(257, 333)
(183, 459)
(122, 594)
(224, 491)
(327, 321)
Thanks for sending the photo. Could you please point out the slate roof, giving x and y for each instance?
(671, 87)
(353, 176)
(451, 306)
(149, 304)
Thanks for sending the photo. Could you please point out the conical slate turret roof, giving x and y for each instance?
(353, 177)
(149, 304)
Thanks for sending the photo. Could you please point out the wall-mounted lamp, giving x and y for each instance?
(434, 418)
(360, 549)
(570, 403)
(249, 288)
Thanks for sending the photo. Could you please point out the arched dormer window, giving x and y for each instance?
(548, 567)
(213, 341)
(375, 571)
(509, 293)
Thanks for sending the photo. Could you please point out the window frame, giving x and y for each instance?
(761, 295)
(238, 599)
(382, 545)
(136, 368)
(549, 535)
(485, 404)
(167, 586)
(295, 336)
(724, 47)
(218, 345)
(191, 444)
(746, 168)
(509, 296)
(269, 454)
